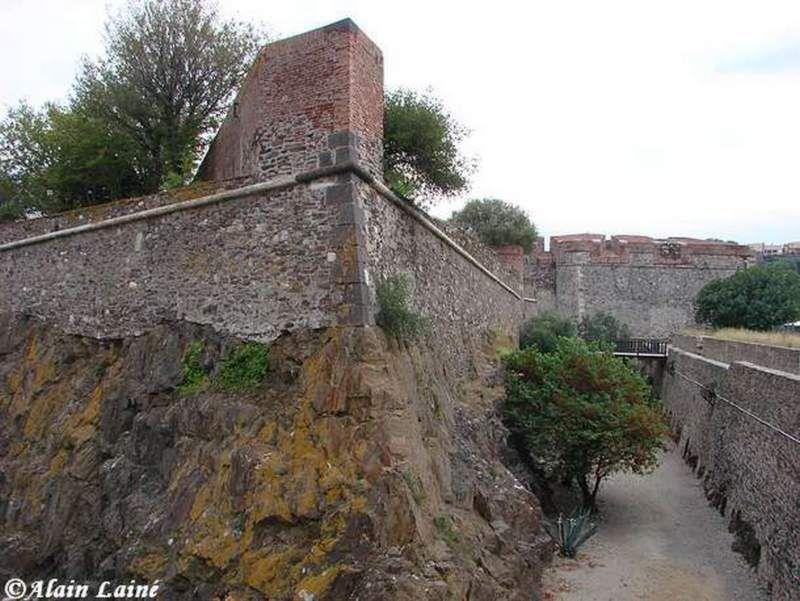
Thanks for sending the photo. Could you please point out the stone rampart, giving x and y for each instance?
(750, 472)
(647, 283)
(774, 357)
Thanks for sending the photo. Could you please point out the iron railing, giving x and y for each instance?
(641, 346)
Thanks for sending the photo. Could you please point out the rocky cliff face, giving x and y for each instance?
(356, 470)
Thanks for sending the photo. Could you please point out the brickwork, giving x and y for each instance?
(648, 284)
(750, 473)
(299, 91)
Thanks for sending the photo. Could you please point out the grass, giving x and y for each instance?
(786, 339)
(444, 528)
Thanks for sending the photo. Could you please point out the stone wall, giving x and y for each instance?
(750, 472)
(462, 303)
(775, 357)
(254, 267)
(648, 284)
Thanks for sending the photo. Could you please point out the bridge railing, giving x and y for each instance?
(641, 346)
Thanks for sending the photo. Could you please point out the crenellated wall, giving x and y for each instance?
(647, 283)
(750, 472)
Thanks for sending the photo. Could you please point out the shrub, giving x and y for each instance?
(756, 298)
(10, 211)
(395, 315)
(603, 327)
(496, 223)
(582, 414)
(244, 368)
(544, 330)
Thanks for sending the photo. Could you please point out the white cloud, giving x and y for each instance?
(615, 117)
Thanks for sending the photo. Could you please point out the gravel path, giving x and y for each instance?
(658, 540)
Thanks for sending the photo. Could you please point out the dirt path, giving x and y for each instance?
(658, 540)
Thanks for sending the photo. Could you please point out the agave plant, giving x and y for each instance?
(572, 532)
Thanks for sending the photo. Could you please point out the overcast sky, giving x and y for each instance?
(660, 118)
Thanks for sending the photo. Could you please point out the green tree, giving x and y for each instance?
(603, 327)
(60, 158)
(756, 298)
(544, 330)
(421, 147)
(582, 414)
(496, 223)
(167, 78)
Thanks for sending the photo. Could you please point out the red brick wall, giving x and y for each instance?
(299, 92)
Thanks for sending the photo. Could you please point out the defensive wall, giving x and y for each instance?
(289, 228)
(647, 283)
(738, 424)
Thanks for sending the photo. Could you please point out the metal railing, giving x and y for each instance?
(634, 347)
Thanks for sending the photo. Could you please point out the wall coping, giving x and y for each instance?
(685, 353)
(277, 183)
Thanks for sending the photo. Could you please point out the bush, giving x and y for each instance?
(582, 414)
(496, 223)
(395, 315)
(756, 298)
(244, 368)
(544, 330)
(603, 327)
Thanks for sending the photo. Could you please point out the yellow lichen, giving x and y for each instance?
(318, 584)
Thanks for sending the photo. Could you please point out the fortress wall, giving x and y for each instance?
(462, 302)
(750, 473)
(253, 267)
(648, 284)
(774, 357)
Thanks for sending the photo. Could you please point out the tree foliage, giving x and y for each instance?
(756, 298)
(544, 330)
(60, 158)
(582, 414)
(603, 327)
(496, 222)
(421, 147)
(169, 72)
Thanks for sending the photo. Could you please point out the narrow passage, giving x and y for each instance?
(658, 540)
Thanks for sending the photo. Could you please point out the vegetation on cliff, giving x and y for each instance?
(581, 414)
(756, 298)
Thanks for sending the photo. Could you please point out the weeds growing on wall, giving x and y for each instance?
(395, 314)
(244, 368)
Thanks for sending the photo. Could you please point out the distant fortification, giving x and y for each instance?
(647, 283)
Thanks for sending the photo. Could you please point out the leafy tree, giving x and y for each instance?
(544, 330)
(421, 146)
(582, 414)
(603, 327)
(59, 158)
(168, 75)
(756, 298)
(496, 222)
